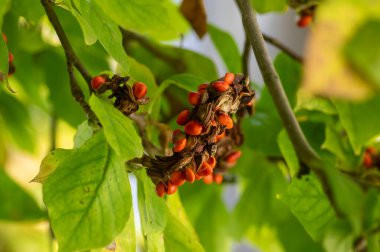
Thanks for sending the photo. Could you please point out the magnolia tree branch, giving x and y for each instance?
(245, 56)
(71, 60)
(282, 47)
(70, 54)
(302, 147)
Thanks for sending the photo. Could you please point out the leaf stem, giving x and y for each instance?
(282, 47)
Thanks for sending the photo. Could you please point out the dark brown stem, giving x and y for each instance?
(53, 132)
(175, 62)
(282, 47)
(245, 56)
(70, 54)
(302, 147)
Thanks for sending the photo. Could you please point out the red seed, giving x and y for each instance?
(226, 120)
(177, 178)
(212, 162)
(202, 88)
(5, 38)
(220, 136)
(367, 161)
(194, 98)
(371, 150)
(183, 117)
(205, 169)
(208, 179)
(229, 78)
(97, 81)
(213, 123)
(250, 103)
(175, 135)
(233, 157)
(160, 189)
(197, 177)
(139, 90)
(193, 128)
(304, 20)
(10, 57)
(180, 145)
(171, 188)
(190, 175)
(218, 178)
(220, 86)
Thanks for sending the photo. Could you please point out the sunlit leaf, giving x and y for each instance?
(268, 6)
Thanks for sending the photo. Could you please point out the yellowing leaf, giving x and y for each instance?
(195, 12)
(327, 73)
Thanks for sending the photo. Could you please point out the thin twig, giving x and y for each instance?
(53, 132)
(245, 56)
(302, 147)
(175, 62)
(282, 47)
(70, 54)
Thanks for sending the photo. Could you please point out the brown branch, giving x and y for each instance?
(175, 62)
(302, 147)
(282, 47)
(69, 52)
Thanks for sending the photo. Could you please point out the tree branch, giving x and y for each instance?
(69, 52)
(174, 62)
(302, 147)
(245, 56)
(282, 47)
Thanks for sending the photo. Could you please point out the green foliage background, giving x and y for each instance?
(86, 190)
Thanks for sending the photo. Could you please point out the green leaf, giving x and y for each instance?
(50, 163)
(158, 19)
(269, 6)
(339, 237)
(153, 213)
(360, 121)
(15, 116)
(118, 129)
(4, 6)
(287, 150)
(84, 132)
(87, 194)
(3, 58)
(106, 30)
(16, 203)
(126, 240)
(226, 47)
(29, 11)
(311, 207)
(363, 53)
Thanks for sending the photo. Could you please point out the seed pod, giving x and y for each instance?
(190, 175)
(183, 117)
(177, 178)
(160, 189)
(220, 86)
(139, 90)
(180, 145)
(193, 128)
(226, 120)
(202, 88)
(171, 189)
(194, 98)
(233, 157)
(208, 179)
(229, 78)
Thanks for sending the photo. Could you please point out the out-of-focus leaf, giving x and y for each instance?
(96, 196)
(195, 12)
(339, 237)
(50, 163)
(158, 19)
(16, 204)
(126, 240)
(309, 204)
(32, 12)
(226, 47)
(3, 60)
(4, 6)
(360, 120)
(327, 72)
(153, 213)
(118, 129)
(287, 150)
(15, 116)
(269, 6)
(363, 52)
